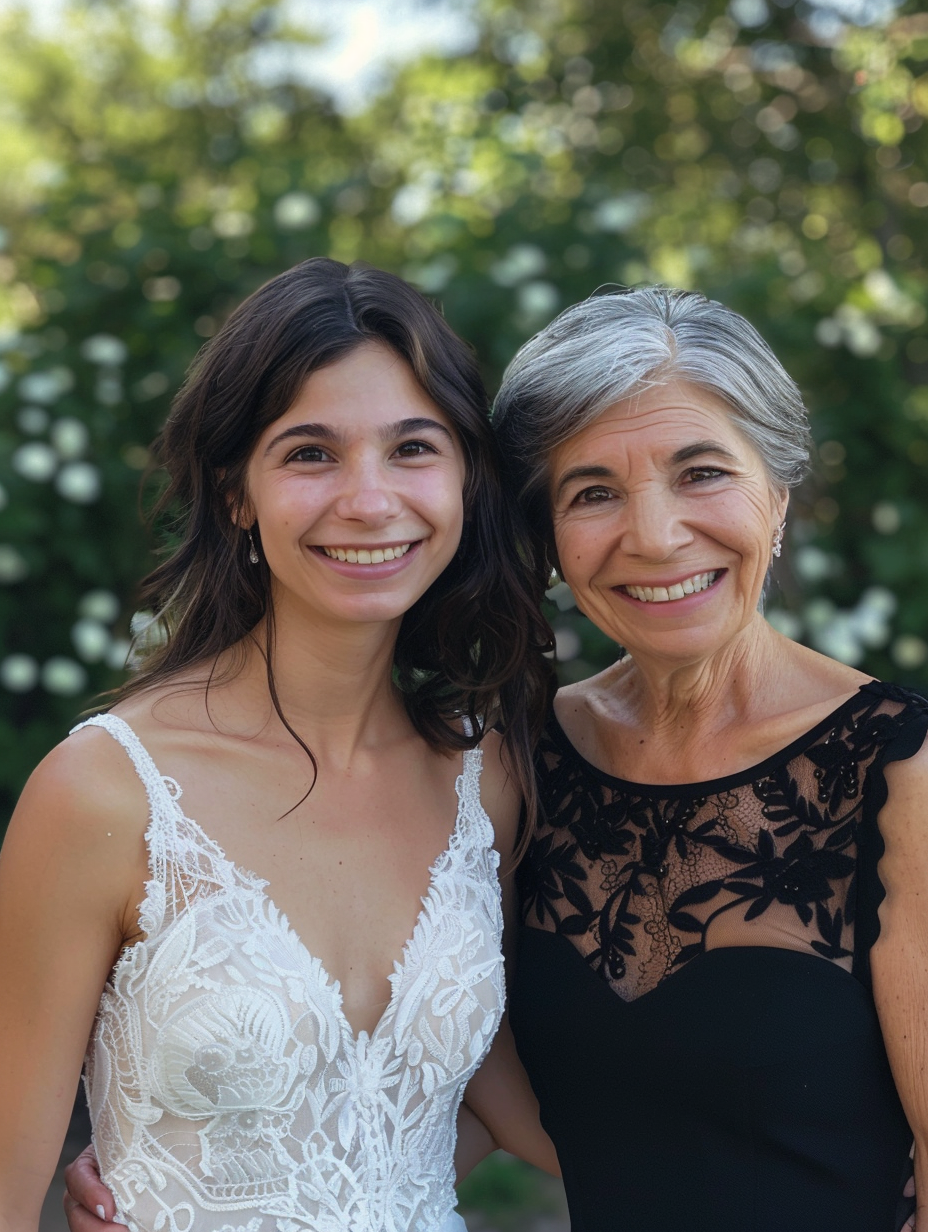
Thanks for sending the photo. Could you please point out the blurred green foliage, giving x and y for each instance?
(508, 1193)
(153, 173)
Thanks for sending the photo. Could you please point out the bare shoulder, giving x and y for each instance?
(83, 792)
(809, 677)
(583, 707)
(77, 839)
(605, 688)
(499, 793)
(178, 704)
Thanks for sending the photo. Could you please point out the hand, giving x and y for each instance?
(86, 1193)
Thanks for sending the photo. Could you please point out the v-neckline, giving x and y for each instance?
(332, 985)
(326, 979)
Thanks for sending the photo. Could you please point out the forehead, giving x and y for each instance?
(371, 385)
(656, 422)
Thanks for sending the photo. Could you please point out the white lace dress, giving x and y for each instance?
(227, 1091)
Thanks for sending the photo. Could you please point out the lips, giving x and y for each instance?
(366, 556)
(669, 594)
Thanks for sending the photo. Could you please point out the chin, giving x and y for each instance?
(379, 613)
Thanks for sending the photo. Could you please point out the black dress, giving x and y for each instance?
(692, 997)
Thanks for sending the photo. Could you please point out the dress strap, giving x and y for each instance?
(162, 792)
(181, 860)
(474, 822)
(471, 770)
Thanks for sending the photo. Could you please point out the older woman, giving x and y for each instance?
(722, 989)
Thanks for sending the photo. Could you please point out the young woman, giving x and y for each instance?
(264, 883)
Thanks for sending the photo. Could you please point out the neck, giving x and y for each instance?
(333, 682)
(711, 693)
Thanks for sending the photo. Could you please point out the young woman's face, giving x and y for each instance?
(664, 519)
(357, 491)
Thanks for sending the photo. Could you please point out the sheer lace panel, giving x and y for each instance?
(226, 1089)
(642, 879)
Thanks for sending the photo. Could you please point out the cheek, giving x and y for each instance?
(581, 549)
(740, 518)
(441, 499)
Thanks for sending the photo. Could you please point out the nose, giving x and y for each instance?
(652, 527)
(367, 494)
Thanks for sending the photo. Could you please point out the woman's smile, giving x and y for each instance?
(367, 556)
(671, 592)
(370, 563)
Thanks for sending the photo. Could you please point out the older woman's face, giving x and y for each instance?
(664, 519)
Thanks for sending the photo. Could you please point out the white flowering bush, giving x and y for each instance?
(139, 213)
(770, 155)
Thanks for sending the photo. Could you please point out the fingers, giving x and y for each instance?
(88, 1202)
(909, 1191)
(80, 1219)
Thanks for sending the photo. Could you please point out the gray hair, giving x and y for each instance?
(612, 346)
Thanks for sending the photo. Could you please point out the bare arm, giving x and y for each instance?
(474, 1143)
(69, 868)
(502, 1098)
(900, 956)
(500, 1094)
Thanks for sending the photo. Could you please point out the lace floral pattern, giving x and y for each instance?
(226, 1088)
(642, 879)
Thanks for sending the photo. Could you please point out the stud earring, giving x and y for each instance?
(778, 539)
(252, 550)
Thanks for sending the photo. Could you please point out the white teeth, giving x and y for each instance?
(666, 594)
(367, 556)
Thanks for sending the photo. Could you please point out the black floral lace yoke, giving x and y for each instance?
(642, 879)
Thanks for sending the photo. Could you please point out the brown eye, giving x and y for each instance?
(415, 449)
(592, 496)
(702, 474)
(309, 453)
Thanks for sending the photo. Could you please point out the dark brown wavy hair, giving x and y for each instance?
(473, 645)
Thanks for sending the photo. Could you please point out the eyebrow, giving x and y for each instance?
(387, 432)
(698, 449)
(582, 472)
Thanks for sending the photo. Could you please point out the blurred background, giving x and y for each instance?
(161, 159)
